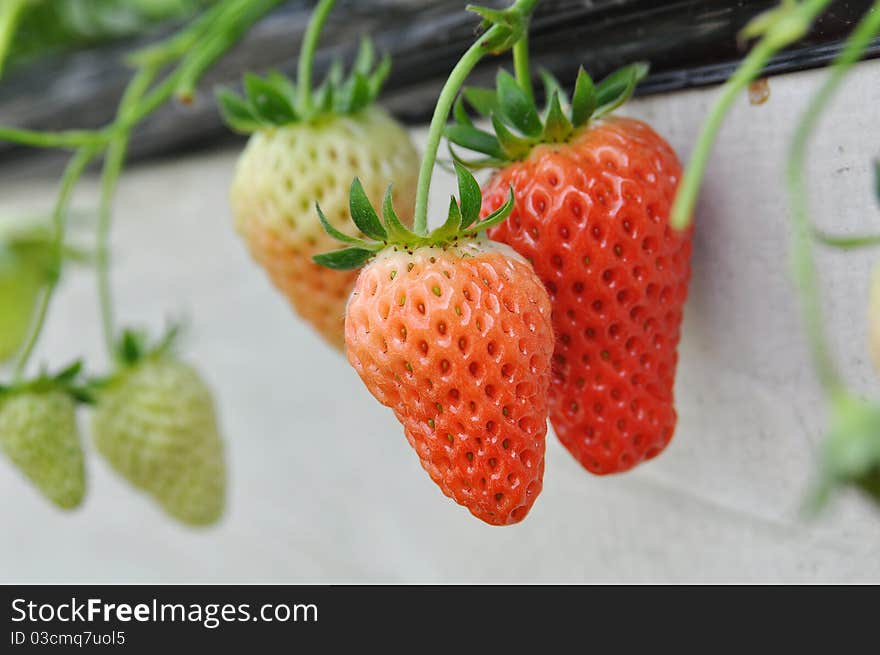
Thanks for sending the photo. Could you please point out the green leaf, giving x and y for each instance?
(365, 57)
(557, 127)
(397, 231)
(474, 139)
(469, 194)
(459, 113)
(70, 372)
(551, 85)
(363, 214)
(618, 87)
(516, 107)
(514, 147)
(267, 102)
(236, 113)
(345, 259)
(499, 215)
(377, 79)
(355, 95)
(336, 234)
(584, 103)
(484, 101)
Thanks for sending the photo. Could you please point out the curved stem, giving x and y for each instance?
(307, 53)
(805, 272)
(521, 66)
(71, 139)
(72, 173)
(748, 70)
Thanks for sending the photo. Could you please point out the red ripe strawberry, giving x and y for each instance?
(453, 333)
(593, 197)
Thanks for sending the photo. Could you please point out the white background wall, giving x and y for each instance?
(325, 487)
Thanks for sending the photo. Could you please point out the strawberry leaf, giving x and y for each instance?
(236, 113)
(469, 194)
(516, 107)
(475, 139)
(618, 87)
(333, 232)
(345, 259)
(363, 214)
(584, 103)
(267, 102)
(557, 127)
(484, 101)
(397, 231)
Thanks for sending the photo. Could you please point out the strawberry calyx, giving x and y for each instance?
(518, 125)
(462, 222)
(851, 455)
(68, 380)
(275, 100)
(134, 346)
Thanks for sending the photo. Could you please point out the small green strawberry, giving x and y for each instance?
(155, 424)
(39, 434)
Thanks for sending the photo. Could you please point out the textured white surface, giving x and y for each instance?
(324, 486)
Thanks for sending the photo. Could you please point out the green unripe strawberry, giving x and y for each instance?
(22, 277)
(38, 432)
(155, 424)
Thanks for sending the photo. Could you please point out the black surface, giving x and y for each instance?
(688, 43)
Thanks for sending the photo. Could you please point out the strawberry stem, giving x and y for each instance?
(307, 53)
(75, 168)
(10, 14)
(779, 28)
(494, 41)
(804, 265)
(521, 66)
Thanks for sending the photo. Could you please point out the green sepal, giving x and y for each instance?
(283, 85)
(345, 259)
(355, 94)
(618, 87)
(397, 231)
(469, 194)
(484, 101)
(551, 85)
(557, 127)
(333, 232)
(475, 139)
(459, 113)
(363, 214)
(584, 100)
(267, 102)
(515, 106)
(477, 164)
(452, 225)
(133, 345)
(496, 217)
(236, 112)
(378, 78)
(513, 146)
(68, 380)
(366, 55)
(851, 452)
(877, 179)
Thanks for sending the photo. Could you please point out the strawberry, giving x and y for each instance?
(155, 424)
(453, 333)
(593, 195)
(300, 153)
(39, 433)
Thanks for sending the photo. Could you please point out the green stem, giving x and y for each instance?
(307, 53)
(847, 242)
(749, 69)
(805, 272)
(450, 89)
(69, 139)
(72, 173)
(10, 15)
(521, 66)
